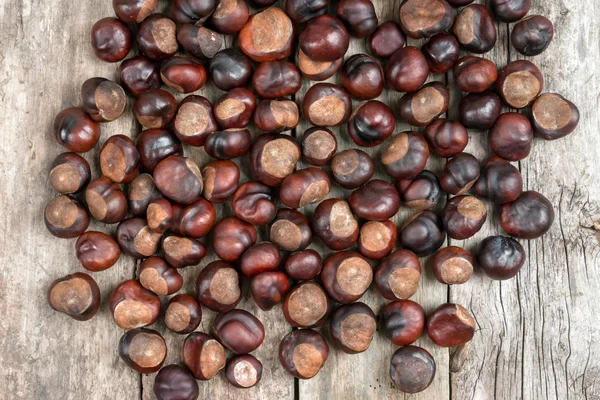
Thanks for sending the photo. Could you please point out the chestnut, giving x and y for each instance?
(276, 79)
(144, 350)
(304, 187)
(76, 295)
(306, 306)
(359, 17)
(405, 155)
(479, 110)
(262, 257)
(362, 77)
(194, 120)
(446, 138)
(102, 99)
(318, 146)
(352, 168)
(134, 11)
(75, 130)
(425, 18)
(450, 325)
(412, 369)
(402, 321)
(235, 108)
(136, 238)
(273, 157)
(218, 286)
(422, 107)
(397, 277)
(421, 192)
(69, 173)
(376, 200)
(194, 220)
(155, 108)
(460, 174)
(183, 74)
(111, 39)
(182, 252)
(244, 371)
(192, 11)
(346, 276)
(157, 37)
(324, 38)
(422, 233)
(317, 70)
(154, 145)
(452, 265)
(119, 159)
(230, 16)
(290, 230)
(269, 288)
(532, 35)
(528, 217)
(500, 257)
(441, 52)
(183, 314)
(268, 36)
(326, 104)
(377, 239)
(239, 331)
(511, 137)
(553, 116)
(198, 41)
(141, 193)
(463, 217)
(230, 68)
(203, 355)
(386, 39)
(175, 382)
(179, 179)
(97, 251)
(221, 180)
(475, 29)
(474, 74)
(334, 223)
(132, 306)
(519, 83)
(139, 74)
(106, 201)
(65, 217)
(302, 11)
(231, 237)
(371, 123)
(253, 203)
(499, 181)
(353, 326)
(304, 265)
(276, 115)
(407, 69)
(510, 10)
(302, 353)
(228, 144)
(159, 277)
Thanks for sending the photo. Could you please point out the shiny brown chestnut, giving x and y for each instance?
(192, 11)
(479, 110)
(156, 275)
(221, 180)
(144, 350)
(317, 70)
(318, 146)
(422, 233)
(154, 145)
(510, 10)
(262, 257)
(155, 108)
(519, 83)
(132, 306)
(157, 37)
(450, 325)
(273, 157)
(346, 276)
(239, 331)
(179, 179)
(230, 68)
(499, 181)
(304, 265)
(111, 39)
(228, 144)
(463, 217)
(235, 108)
(446, 138)
(183, 314)
(194, 120)
(69, 173)
(475, 29)
(441, 52)
(398, 275)
(102, 99)
(553, 116)
(421, 192)
(136, 238)
(269, 288)
(377, 200)
(75, 130)
(326, 104)
(358, 16)
(194, 220)
(253, 203)
(276, 79)
(500, 257)
(530, 216)
(306, 305)
(230, 16)
(182, 252)
(405, 155)
(106, 201)
(334, 223)
(174, 381)
(76, 295)
(386, 39)
(65, 217)
(304, 187)
(474, 74)
(425, 18)
(377, 239)
(141, 193)
(119, 159)
(422, 107)
(139, 74)
(290, 230)
(460, 174)
(134, 11)
(324, 38)
(199, 41)
(406, 70)
(362, 76)
(268, 36)
(352, 168)
(353, 326)
(97, 251)
(302, 11)
(412, 369)
(511, 137)
(402, 321)
(276, 115)
(452, 265)
(532, 35)
(218, 286)
(203, 356)
(303, 353)
(244, 371)
(159, 215)
(183, 74)
(231, 237)
(371, 123)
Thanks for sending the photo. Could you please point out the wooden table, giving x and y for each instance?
(538, 335)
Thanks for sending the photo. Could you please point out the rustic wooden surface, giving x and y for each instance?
(538, 335)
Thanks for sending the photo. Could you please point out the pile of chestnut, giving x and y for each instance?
(168, 208)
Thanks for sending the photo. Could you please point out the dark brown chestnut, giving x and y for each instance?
(326, 104)
(76, 295)
(425, 18)
(159, 277)
(353, 326)
(253, 203)
(273, 157)
(402, 321)
(239, 331)
(511, 137)
(371, 123)
(302, 11)
(139, 74)
(65, 217)
(324, 38)
(102, 99)
(441, 52)
(159, 215)
(499, 181)
(422, 233)
(203, 356)
(97, 251)
(155, 108)
(75, 130)
(479, 110)
(228, 144)
(182, 252)
(412, 369)
(510, 10)
(450, 325)
(183, 74)
(421, 192)
(183, 314)
(194, 121)
(231, 237)
(106, 201)
(119, 159)
(290, 230)
(500, 257)
(269, 288)
(474, 74)
(519, 83)
(334, 223)
(194, 220)
(422, 107)
(132, 306)
(452, 265)
(386, 39)
(218, 286)
(377, 200)
(244, 371)
(358, 16)
(446, 138)
(304, 265)
(235, 108)
(136, 238)
(221, 180)
(276, 79)
(318, 146)
(346, 276)
(179, 179)
(154, 145)
(268, 36)
(276, 115)
(192, 11)
(262, 257)
(553, 116)
(144, 350)
(530, 216)
(317, 70)
(306, 306)
(362, 76)
(406, 70)
(230, 16)
(463, 217)
(111, 39)
(175, 382)
(303, 353)
(352, 168)
(377, 239)
(230, 68)
(200, 42)
(157, 37)
(69, 173)
(398, 275)
(405, 155)
(532, 35)
(134, 11)
(141, 193)
(460, 174)
(304, 187)
(475, 29)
